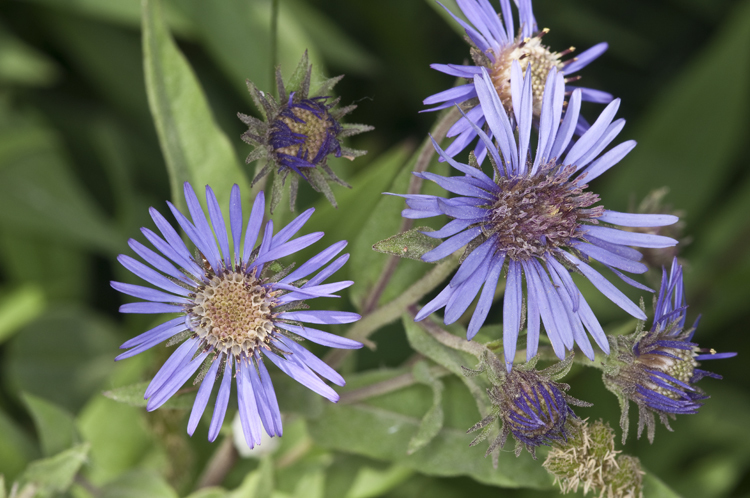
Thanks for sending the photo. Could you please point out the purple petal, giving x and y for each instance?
(203, 230)
(638, 220)
(149, 334)
(314, 263)
(321, 337)
(302, 374)
(564, 275)
(591, 95)
(217, 221)
(201, 399)
(592, 136)
(434, 305)
(253, 226)
(154, 337)
(586, 57)
(175, 382)
(184, 352)
(180, 253)
(512, 309)
(328, 271)
(321, 317)
(288, 248)
(621, 237)
(486, 298)
(610, 259)
(148, 293)
(222, 400)
(292, 228)
(473, 261)
(466, 292)
(246, 403)
(235, 220)
(250, 376)
(453, 95)
(158, 262)
(150, 308)
(316, 364)
(151, 276)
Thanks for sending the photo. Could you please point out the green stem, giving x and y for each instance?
(393, 310)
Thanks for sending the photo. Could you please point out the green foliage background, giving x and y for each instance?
(83, 155)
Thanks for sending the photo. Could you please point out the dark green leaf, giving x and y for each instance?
(697, 123)
(194, 147)
(258, 484)
(54, 425)
(371, 483)
(412, 244)
(23, 64)
(17, 448)
(653, 487)
(55, 474)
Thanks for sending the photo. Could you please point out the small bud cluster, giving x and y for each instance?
(589, 461)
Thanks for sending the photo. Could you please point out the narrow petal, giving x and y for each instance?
(638, 220)
(253, 226)
(321, 337)
(303, 375)
(222, 400)
(466, 292)
(591, 137)
(610, 259)
(451, 245)
(150, 308)
(473, 261)
(235, 221)
(316, 364)
(315, 263)
(621, 237)
(568, 126)
(150, 334)
(609, 159)
(487, 297)
(151, 276)
(158, 262)
(201, 399)
(321, 317)
(329, 270)
(249, 375)
(512, 309)
(586, 57)
(438, 302)
(288, 248)
(217, 222)
(246, 404)
(148, 293)
(175, 382)
(185, 351)
(292, 228)
(200, 224)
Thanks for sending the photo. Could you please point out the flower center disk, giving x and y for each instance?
(535, 214)
(310, 127)
(233, 313)
(529, 51)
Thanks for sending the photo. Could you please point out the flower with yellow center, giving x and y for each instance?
(495, 45)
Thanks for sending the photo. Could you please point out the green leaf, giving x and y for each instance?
(118, 435)
(38, 193)
(258, 484)
(653, 487)
(54, 425)
(311, 485)
(371, 483)
(213, 492)
(23, 64)
(133, 395)
(451, 359)
(194, 147)
(19, 308)
(674, 130)
(138, 484)
(17, 448)
(64, 356)
(412, 244)
(55, 474)
(385, 435)
(432, 421)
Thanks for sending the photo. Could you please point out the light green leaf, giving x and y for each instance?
(118, 435)
(139, 484)
(194, 147)
(133, 395)
(54, 425)
(18, 308)
(311, 485)
(371, 483)
(55, 474)
(432, 421)
(412, 244)
(697, 123)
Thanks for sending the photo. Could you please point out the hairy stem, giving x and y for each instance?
(393, 310)
(424, 156)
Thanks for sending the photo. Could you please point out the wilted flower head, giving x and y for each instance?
(657, 368)
(235, 309)
(531, 406)
(536, 219)
(495, 47)
(300, 131)
(589, 461)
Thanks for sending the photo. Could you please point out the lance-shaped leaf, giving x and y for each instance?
(432, 421)
(412, 244)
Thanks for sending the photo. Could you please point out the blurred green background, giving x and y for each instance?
(80, 162)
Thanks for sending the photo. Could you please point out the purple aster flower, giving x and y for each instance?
(537, 220)
(300, 131)
(532, 406)
(495, 47)
(235, 309)
(657, 369)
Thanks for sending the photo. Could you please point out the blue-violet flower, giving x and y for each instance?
(233, 310)
(537, 217)
(657, 368)
(495, 47)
